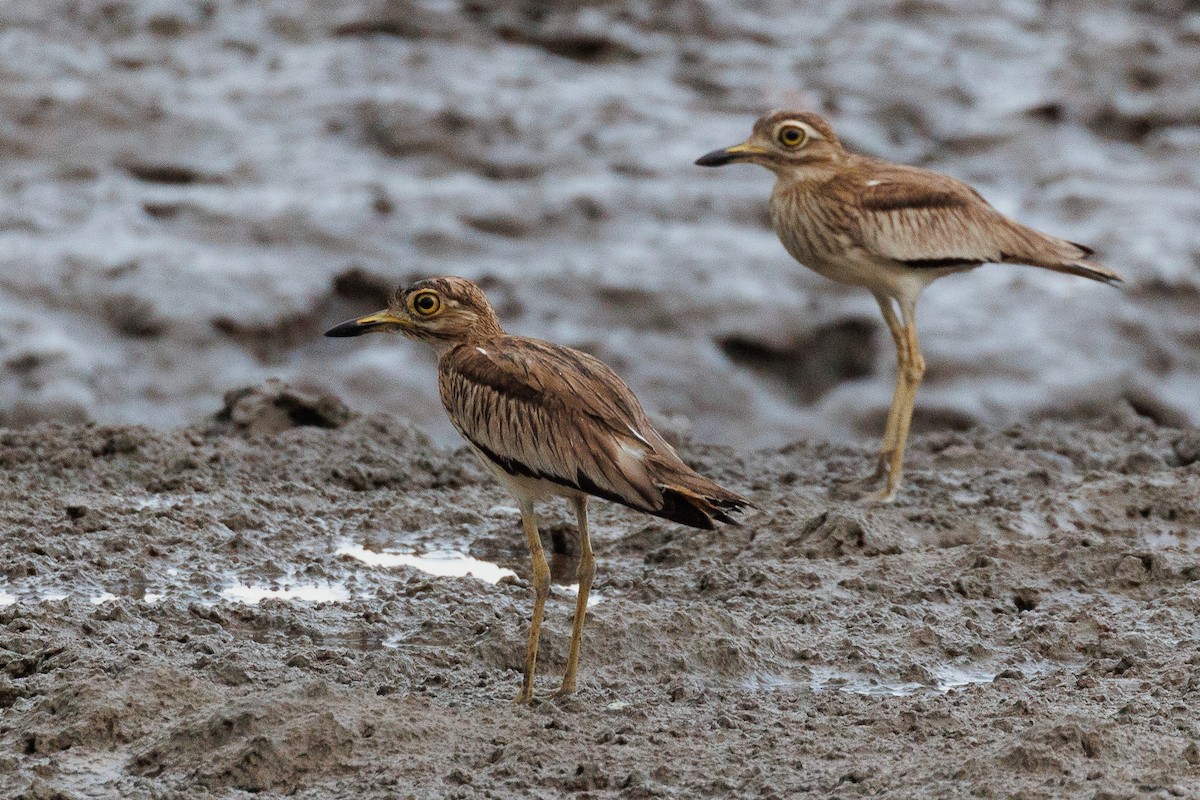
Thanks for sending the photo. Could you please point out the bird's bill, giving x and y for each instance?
(379, 321)
(739, 152)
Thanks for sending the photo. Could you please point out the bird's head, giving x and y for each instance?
(442, 311)
(783, 141)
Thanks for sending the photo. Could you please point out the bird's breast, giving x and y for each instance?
(817, 235)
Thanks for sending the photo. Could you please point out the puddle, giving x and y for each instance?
(448, 564)
(834, 681)
(827, 679)
(954, 678)
(594, 597)
(442, 563)
(153, 502)
(945, 679)
(401, 640)
(307, 592)
(8, 598)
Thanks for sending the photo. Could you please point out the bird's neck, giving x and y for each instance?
(485, 328)
(478, 336)
(806, 173)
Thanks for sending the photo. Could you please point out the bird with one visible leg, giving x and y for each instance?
(892, 229)
(547, 421)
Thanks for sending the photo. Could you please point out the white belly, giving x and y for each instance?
(523, 487)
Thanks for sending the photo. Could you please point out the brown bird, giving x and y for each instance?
(892, 229)
(547, 421)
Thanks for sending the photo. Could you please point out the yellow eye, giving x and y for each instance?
(426, 303)
(791, 136)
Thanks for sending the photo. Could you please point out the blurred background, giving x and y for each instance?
(193, 191)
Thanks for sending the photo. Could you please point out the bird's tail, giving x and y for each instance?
(1071, 258)
(691, 499)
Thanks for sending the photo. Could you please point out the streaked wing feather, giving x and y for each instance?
(554, 413)
(927, 220)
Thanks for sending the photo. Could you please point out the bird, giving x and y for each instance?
(892, 229)
(546, 421)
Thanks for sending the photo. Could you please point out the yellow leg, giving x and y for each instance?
(541, 588)
(912, 371)
(889, 433)
(585, 573)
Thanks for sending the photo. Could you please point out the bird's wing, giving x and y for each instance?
(923, 219)
(549, 412)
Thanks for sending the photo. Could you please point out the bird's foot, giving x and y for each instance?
(565, 699)
(863, 488)
(883, 466)
(524, 697)
(885, 495)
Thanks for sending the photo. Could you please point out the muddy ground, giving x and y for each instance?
(1023, 622)
(192, 190)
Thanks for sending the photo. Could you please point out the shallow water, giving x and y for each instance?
(945, 678)
(326, 592)
(441, 563)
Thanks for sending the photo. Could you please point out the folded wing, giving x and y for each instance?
(925, 220)
(542, 411)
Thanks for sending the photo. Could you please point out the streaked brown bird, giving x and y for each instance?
(547, 421)
(892, 229)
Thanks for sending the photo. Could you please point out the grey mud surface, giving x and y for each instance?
(192, 190)
(1023, 622)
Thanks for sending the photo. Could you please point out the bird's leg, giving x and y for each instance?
(912, 370)
(884, 458)
(541, 588)
(584, 574)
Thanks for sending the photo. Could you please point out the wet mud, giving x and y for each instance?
(232, 609)
(192, 191)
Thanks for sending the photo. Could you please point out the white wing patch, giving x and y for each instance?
(640, 438)
(630, 450)
(481, 350)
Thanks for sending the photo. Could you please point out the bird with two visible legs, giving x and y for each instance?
(547, 421)
(892, 229)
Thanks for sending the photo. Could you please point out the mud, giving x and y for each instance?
(191, 191)
(198, 604)
(1023, 622)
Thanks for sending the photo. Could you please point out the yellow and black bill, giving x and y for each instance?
(729, 155)
(379, 321)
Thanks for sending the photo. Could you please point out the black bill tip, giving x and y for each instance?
(351, 328)
(717, 158)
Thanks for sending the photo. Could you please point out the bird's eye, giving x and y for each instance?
(791, 136)
(426, 303)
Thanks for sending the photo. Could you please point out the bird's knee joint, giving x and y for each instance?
(541, 584)
(915, 370)
(586, 570)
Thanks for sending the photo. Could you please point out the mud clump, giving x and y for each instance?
(254, 748)
(274, 407)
